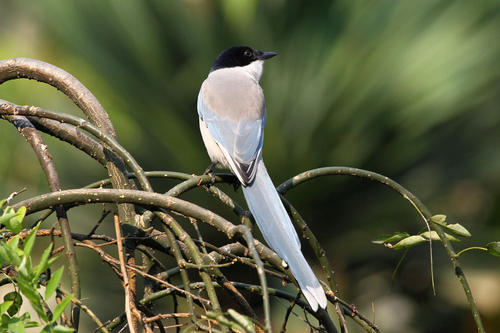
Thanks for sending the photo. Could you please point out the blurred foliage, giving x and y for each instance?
(409, 89)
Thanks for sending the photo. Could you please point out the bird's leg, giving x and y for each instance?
(209, 171)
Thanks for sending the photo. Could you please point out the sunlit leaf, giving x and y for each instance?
(14, 223)
(30, 292)
(30, 239)
(52, 260)
(4, 219)
(11, 250)
(435, 237)
(42, 266)
(61, 307)
(408, 242)
(16, 325)
(5, 305)
(4, 255)
(53, 282)
(458, 229)
(31, 324)
(439, 219)
(63, 329)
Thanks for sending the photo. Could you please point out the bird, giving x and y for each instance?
(232, 117)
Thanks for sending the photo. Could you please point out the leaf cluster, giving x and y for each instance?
(26, 278)
(403, 240)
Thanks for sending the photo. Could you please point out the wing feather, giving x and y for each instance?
(238, 131)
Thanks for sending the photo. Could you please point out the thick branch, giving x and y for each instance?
(148, 199)
(25, 68)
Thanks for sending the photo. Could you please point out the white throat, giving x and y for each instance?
(255, 69)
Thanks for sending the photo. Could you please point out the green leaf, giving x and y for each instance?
(439, 219)
(4, 255)
(5, 306)
(458, 229)
(60, 308)
(63, 329)
(53, 260)
(5, 218)
(30, 292)
(23, 269)
(494, 248)
(25, 316)
(16, 300)
(435, 237)
(13, 243)
(47, 329)
(11, 251)
(13, 220)
(390, 238)
(53, 282)
(31, 324)
(408, 242)
(30, 239)
(42, 266)
(4, 320)
(16, 325)
(17, 221)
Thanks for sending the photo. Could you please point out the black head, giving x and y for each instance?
(239, 56)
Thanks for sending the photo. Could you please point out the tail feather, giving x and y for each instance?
(278, 231)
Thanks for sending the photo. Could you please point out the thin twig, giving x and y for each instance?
(87, 310)
(113, 261)
(167, 316)
(128, 297)
(14, 194)
(103, 216)
(288, 312)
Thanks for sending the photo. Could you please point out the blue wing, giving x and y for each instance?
(240, 140)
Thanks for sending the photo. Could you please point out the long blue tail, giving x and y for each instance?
(278, 231)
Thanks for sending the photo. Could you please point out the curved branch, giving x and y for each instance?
(416, 203)
(147, 199)
(38, 70)
(190, 182)
(10, 109)
(26, 68)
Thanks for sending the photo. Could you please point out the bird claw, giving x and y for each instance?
(208, 171)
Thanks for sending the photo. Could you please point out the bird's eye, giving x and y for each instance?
(247, 53)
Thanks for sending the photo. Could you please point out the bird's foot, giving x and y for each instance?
(208, 171)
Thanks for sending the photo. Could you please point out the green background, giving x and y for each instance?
(409, 89)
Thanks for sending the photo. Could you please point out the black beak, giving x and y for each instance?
(266, 55)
